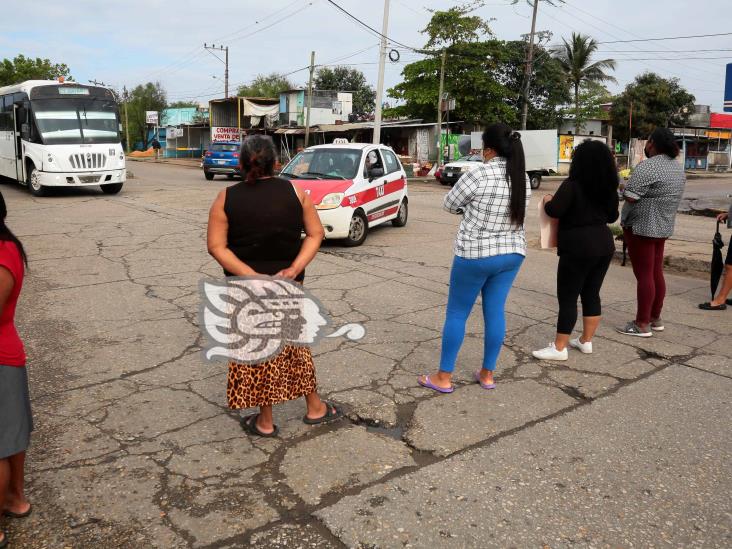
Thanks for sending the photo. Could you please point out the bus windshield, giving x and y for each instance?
(71, 121)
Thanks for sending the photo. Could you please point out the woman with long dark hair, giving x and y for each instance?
(584, 204)
(489, 250)
(255, 228)
(652, 198)
(16, 421)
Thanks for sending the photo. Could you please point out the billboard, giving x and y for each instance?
(151, 117)
(728, 89)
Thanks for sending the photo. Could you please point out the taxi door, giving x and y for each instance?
(374, 181)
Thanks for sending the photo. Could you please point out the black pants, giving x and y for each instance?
(579, 276)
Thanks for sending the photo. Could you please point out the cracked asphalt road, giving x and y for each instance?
(135, 447)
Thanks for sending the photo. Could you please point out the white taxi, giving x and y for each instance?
(354, 187)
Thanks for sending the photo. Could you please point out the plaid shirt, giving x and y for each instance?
(483, 197)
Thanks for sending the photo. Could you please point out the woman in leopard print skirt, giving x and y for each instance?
(255, 228)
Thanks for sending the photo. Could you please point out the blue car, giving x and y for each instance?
(222, 158)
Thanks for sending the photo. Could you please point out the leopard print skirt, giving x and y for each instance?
(289, 375)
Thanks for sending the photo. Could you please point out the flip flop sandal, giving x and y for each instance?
(485, 386)
(707, 306)
(249, 424)
(429, 385)
(10, 514)
(332, 413)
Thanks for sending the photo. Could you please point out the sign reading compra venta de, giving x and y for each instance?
(225, 134)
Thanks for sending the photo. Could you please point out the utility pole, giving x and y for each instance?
(439, 108)
(225, 61)
(529, 67)
(380, 82)
(310, 99)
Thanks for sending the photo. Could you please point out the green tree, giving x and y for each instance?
(143, 98)
(182, 105)
(656, 101)
(575, 57)
(483, 74)
(349, 80)
(592, 96)
(266, 85)
(549, 88)
(456, 26)
(23, 68)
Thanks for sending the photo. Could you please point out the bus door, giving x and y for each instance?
(20, 113)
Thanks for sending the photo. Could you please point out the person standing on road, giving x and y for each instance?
(584, 204)
(16, 421)
(652, 198)
(156, 147)
(489, 250)
(255, 228)
(720, 302)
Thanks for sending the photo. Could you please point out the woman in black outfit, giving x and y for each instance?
(255, 228)
(584, 204)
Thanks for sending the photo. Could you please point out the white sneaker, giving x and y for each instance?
(584, 347)
(551, 353)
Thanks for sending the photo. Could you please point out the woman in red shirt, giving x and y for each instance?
(16, 422)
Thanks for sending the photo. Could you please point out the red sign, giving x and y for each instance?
(225, 134)
(718, 120)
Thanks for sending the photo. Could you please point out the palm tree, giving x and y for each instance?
(575, 58)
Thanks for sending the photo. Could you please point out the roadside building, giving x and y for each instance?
(598, 128)
(705, 140)
(233, 117)
(327, 107)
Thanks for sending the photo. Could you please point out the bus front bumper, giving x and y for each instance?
(81, 179)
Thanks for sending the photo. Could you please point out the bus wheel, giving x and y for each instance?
(34, 183)
(112, 188)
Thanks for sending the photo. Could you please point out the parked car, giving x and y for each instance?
(451, 172)
(354, 187)
(222, 158)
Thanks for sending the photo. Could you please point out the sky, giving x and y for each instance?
(132, 42)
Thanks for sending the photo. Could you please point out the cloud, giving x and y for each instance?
(139, 40)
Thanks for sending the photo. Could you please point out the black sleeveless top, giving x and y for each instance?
(265, 224)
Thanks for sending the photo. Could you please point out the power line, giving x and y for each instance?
(630, 33)
(232, 35)
(187, 58)
(606, 32)
(668, 51)
(667, 38)
(284, 18)
(369, 27)
(672, 58)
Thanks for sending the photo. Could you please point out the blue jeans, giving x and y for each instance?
(492, 277)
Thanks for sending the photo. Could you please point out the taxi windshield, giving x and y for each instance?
(324, 164)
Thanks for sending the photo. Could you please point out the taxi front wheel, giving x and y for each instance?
(357, 230)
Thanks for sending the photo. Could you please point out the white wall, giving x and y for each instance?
(591, 127)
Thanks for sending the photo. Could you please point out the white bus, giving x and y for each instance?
(56, 134)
